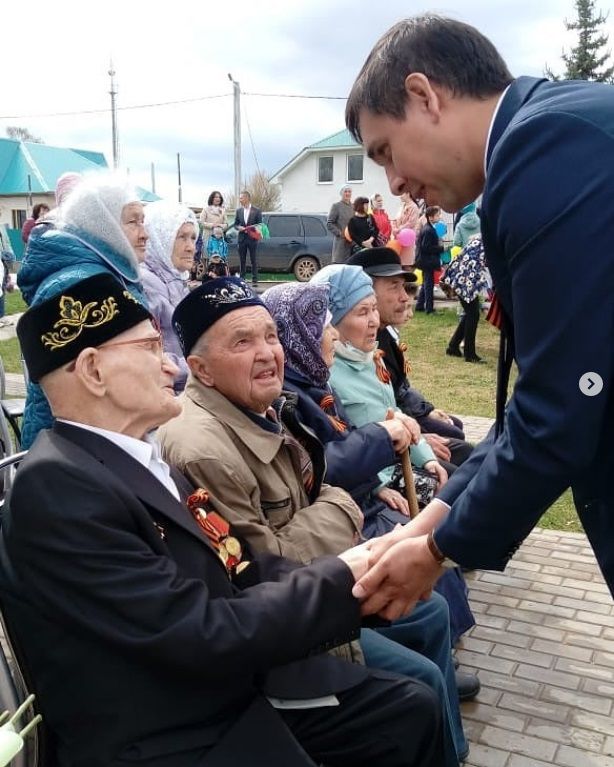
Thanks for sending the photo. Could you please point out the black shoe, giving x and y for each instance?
(468, 685)
(475, 358)
(453, 352)
(417, 309)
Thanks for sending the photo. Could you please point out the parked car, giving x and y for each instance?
(299, 244)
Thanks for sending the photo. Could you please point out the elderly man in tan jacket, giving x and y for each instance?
(243, 443)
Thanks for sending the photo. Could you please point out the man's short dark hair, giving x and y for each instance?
(451, 54)
(432, 211)
(246, 193)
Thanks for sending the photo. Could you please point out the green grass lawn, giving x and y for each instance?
(14, 303)
(449, 382)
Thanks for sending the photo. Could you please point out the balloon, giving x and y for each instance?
(395, 245)
(455, 251)
(441, 229)
(407, 237)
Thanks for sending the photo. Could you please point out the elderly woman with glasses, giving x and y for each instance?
(99, 228)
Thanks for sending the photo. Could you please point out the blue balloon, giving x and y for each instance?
(441, 229)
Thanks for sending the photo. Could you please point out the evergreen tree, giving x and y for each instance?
(584, 62)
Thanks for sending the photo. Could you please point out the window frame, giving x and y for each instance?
(347, 168)
(330, 157)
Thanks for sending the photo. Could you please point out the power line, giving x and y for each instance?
(170, 103)
(101, 111)
(295, 96)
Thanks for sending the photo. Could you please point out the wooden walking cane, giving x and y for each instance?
(410, 490)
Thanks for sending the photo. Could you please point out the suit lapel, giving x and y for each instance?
(139, 479)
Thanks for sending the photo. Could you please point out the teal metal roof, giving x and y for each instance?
(43, 163)
(340, 139)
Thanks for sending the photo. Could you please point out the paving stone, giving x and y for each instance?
(592, 629)
(608, 747)
(562, 612)
(491, 621)
(581, 584)
(474, 644)
(485, 662)
(516, 760)
(567, 651)
(503, 579)
(583, 604)
(578, 700)
(589, 721)
(598, 687)
(565, 735)
(503, 637)
(506, 720)
(531, 629)
(591, 670)
(518, 743)
(486, 696)
(519, 564)
(494, 599)
(593, 642)
(521, 615)
(604, 659)
(564, 572)
(600, 620)
(533, 706)
(509, 683)
(547, 676)
(558, 590)
(511, 591)
(484, 756)
(567, 756)
(521, 655)
(575, 558)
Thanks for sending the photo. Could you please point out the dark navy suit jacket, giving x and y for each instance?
(548, 229)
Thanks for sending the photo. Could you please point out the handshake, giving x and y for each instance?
(396, 570)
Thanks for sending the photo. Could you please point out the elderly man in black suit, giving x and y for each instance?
(149, 635)
(246, 218)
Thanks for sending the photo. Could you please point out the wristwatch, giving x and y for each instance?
(438, 555)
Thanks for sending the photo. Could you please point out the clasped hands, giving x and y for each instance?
(393, 572)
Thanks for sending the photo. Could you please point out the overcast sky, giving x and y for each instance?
(56, 58)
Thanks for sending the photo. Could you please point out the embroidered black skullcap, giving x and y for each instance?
(87, 313)
(207, 304)
(380, 262)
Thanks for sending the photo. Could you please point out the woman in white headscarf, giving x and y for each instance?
(172, 231)
(99, 228)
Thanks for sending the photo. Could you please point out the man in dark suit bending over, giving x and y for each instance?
(437, 107)
(150, 637)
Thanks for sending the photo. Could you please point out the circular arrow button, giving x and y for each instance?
(591, 384)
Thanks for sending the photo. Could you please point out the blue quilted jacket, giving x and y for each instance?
(55, 260)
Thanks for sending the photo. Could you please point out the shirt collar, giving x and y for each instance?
(492, 122)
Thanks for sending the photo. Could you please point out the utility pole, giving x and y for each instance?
(179, 177)
(237, 135)
(153, 178)
(115, 135)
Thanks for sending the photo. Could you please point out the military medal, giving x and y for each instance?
(217, 531)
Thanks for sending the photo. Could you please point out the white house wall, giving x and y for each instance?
(300, 190)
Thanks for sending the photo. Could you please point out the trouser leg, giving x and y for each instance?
(242, 247)
(472, 317)
(459, 335)
(427, 632)
(388, 721)
(253, 259)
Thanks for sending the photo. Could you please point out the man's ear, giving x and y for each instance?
(89, 371)
(422, 94)
(200, 370)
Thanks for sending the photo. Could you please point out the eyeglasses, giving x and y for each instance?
(151, 343)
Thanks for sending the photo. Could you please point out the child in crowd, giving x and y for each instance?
(217, 254)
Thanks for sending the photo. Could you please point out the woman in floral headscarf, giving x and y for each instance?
(172, 231)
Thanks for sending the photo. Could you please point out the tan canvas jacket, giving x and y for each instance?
(254, 480)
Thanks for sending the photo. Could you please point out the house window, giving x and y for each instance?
(355, 170)
(19, 217)
(325, 170)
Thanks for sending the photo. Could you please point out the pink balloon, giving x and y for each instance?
(407, 237)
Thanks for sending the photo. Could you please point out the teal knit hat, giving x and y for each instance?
(348, 286)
